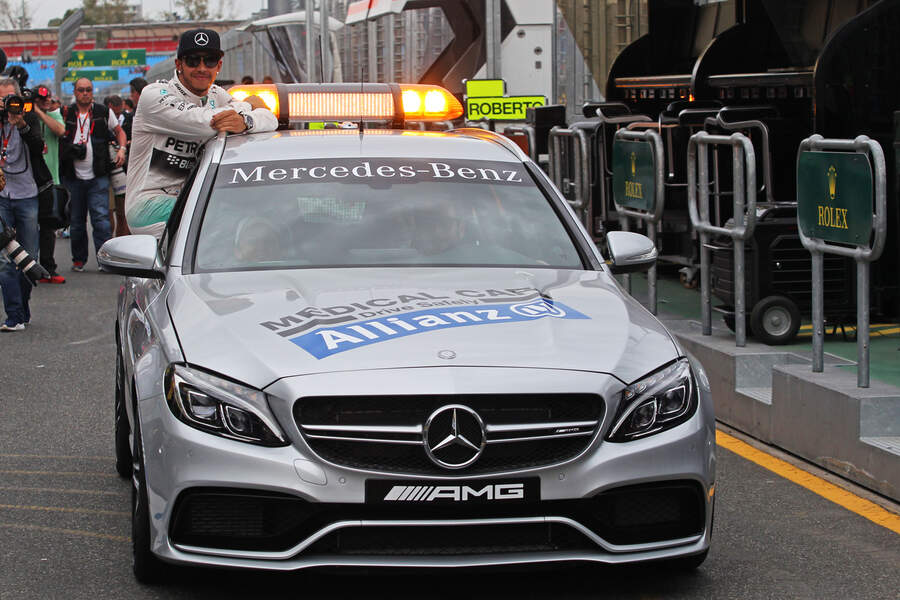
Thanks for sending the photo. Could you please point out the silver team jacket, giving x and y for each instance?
(170, 125)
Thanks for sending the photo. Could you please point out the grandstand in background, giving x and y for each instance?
(35, 49)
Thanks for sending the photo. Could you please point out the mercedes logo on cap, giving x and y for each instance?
(201, 39)
(454, 436)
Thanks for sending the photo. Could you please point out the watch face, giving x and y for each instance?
(248, 121)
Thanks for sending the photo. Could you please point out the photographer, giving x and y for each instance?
(21, 158)
(52, 128)
(85, 168)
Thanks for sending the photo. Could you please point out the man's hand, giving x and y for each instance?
(255, 102)
(120, 156)
(228, 120)
(16, 120)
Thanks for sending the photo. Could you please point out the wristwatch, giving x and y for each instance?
(248, 121)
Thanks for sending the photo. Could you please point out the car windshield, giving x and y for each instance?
(379, 212)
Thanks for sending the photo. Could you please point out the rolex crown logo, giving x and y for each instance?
(832, 181)
(80, 56)
(633, 167)
(124, 53)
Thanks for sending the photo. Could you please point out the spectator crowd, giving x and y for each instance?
(61, 165)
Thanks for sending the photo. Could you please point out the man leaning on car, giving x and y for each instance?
(173, 118)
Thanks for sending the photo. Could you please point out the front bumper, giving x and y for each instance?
(181, 461)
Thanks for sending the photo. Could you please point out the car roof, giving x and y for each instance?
(467, 144)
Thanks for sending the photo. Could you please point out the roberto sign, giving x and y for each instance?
(834, 196)
(486, 99)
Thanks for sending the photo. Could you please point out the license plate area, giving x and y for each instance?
(455, 492)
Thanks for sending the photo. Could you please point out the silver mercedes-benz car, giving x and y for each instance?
(383, 347)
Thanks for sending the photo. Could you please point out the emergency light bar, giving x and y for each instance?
(302, 102)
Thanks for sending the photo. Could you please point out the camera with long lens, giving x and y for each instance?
(19, 256)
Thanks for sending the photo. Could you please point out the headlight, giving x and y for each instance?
(221, 407)
(657, 402)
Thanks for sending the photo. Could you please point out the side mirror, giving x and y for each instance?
(132, 256)
(630, 252)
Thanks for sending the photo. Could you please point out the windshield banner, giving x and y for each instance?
(372, 171)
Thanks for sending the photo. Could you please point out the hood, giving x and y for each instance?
(260, 326)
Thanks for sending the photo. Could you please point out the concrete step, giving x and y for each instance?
(889, 444)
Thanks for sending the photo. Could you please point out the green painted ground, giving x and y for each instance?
(884, 348)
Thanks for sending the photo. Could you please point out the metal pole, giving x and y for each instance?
(372, 38)
(389, 48)
(703, 185)
(310, 54)
(862, 323)
(626, 279)
(492, 38)
(818, 312)
(324, 40)
(651, 274)
(409, 57)
(740, 322)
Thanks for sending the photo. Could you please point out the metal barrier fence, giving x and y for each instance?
(526, 131)
(744, 187)
(825, 220)
(629, 193)
(574, 182)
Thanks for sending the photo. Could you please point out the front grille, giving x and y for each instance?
(453, 541)
(385, 433)
(264, 521)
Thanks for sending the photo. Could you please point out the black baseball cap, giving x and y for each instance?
(199, 40)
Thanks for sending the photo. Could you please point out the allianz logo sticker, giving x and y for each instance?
(323, 343)
(455, 493)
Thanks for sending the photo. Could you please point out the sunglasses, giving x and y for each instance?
(84, 90)
(193, 60)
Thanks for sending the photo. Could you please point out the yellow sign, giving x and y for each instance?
(485, 88)
(511, 108)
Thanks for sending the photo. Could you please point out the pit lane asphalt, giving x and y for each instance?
(65, 524)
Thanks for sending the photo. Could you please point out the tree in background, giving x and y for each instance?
(107, 12)
(199, 10)
(14, 15)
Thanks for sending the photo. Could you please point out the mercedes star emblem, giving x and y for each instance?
(454, 436)
(201, 39)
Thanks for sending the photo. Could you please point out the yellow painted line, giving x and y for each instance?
(817, 485)
(61, 473)
(59, 490)
(65, 509)
(55, 456)
(79, 532)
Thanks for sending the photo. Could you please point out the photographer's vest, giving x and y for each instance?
(99, 135)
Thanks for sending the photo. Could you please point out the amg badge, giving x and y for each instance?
(456, 493)
(470, 491)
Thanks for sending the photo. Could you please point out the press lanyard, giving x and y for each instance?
(82, 123)
(5, 141)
